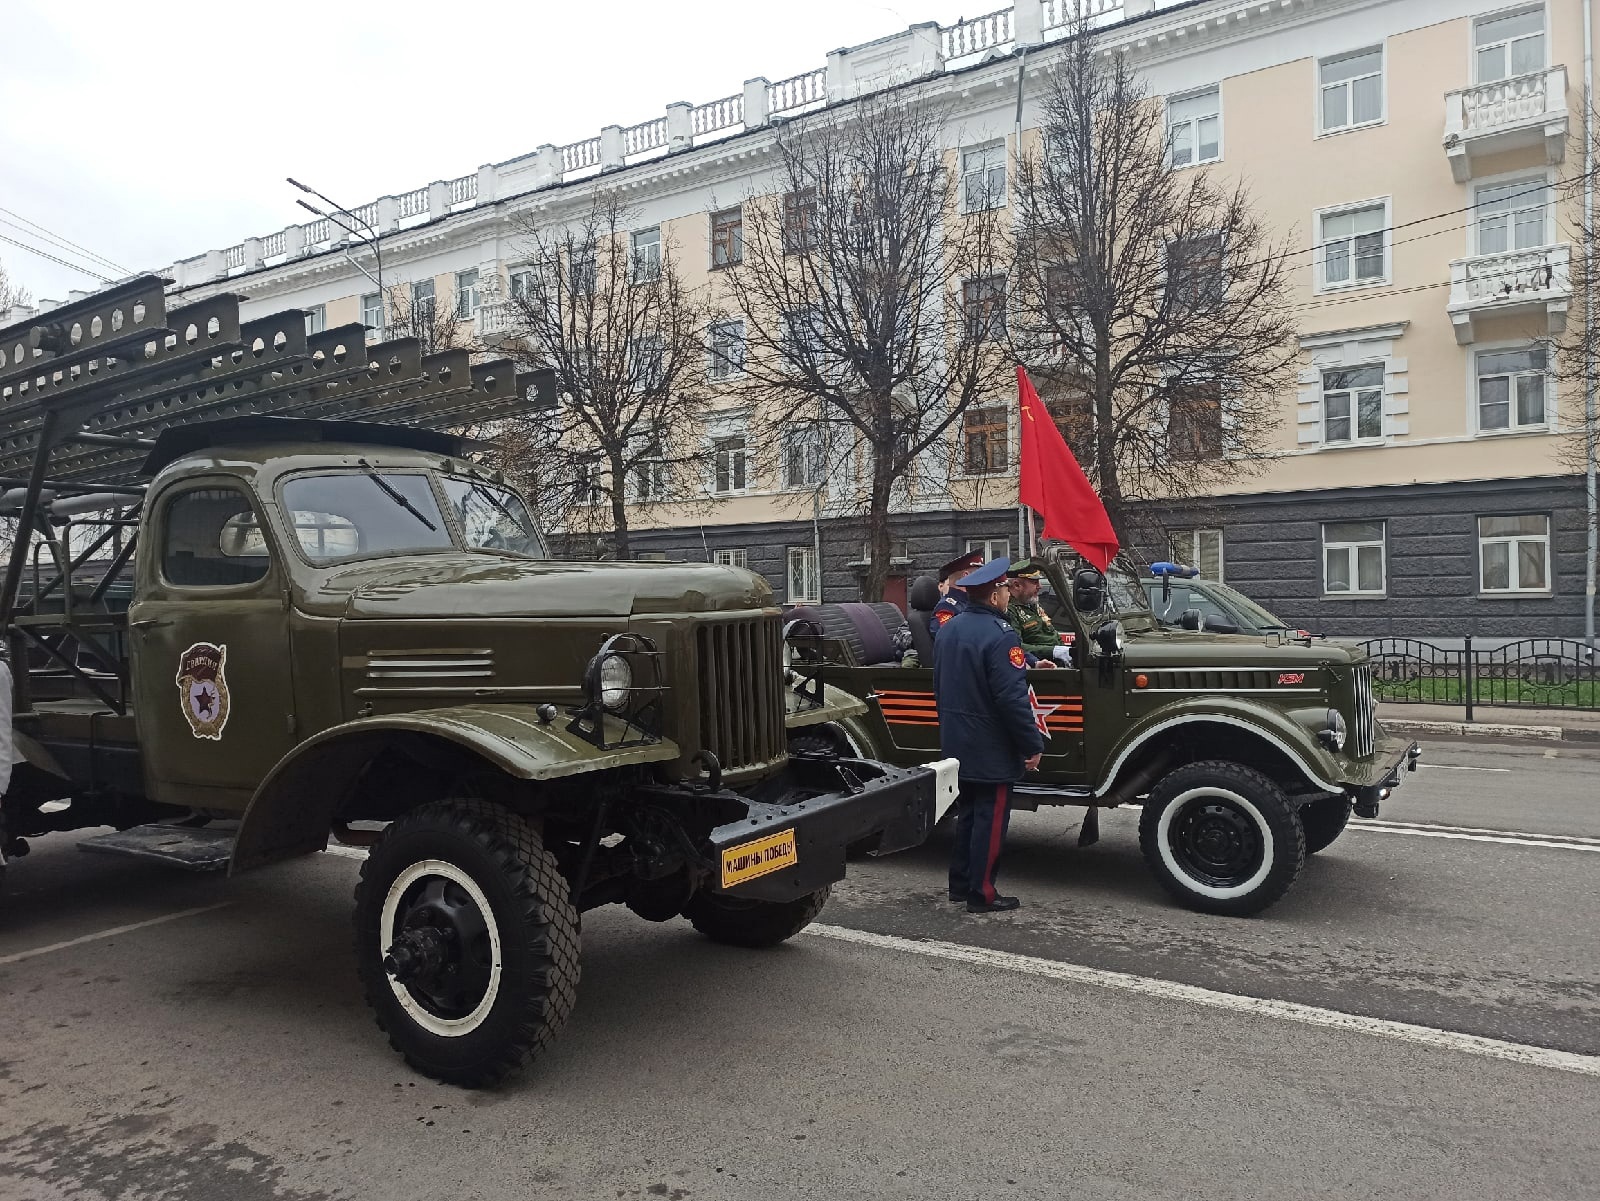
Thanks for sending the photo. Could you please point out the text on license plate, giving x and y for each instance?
(759, 858)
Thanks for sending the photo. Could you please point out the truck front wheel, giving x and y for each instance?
(1222, 838)
(466, 941)
(726, 919)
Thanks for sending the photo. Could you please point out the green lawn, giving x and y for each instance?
(1446, 690)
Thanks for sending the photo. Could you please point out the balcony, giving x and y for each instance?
(1508, 114)
(492, 322)
(1517, 283)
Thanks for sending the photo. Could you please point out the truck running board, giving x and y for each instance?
(193, 849)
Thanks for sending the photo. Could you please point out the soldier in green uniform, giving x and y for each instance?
(1033, 624)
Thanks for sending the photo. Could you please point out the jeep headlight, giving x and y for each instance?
(1335, 732)
(616, 681)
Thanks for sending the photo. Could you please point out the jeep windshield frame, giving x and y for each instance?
(362, 513)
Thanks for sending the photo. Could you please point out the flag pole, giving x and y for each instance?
(1033, 539)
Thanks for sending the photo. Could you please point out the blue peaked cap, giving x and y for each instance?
(990, 572)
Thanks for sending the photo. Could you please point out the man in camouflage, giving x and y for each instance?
(1033, 624)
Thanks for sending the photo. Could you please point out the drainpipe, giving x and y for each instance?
(1589, 431)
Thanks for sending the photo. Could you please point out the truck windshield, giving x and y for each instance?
(492, 518)
(357, 514)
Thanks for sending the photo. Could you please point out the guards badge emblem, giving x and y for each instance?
(203, 687)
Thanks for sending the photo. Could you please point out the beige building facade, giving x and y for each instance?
(1417, 155)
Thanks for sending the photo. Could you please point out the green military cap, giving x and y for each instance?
(1026, 569)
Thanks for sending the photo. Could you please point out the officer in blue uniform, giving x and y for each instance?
(952, 599)
(986, 720)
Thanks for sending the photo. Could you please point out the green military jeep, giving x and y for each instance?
(349, 629)
(1246, 753)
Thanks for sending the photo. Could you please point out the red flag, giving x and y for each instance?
(1051, 482)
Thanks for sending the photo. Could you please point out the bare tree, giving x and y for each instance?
(11, 293)
(609, 312)
(414, 310)
(872, 296)
(1150, 302)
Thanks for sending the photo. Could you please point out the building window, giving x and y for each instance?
(1194, 420)
(1514, 553)
(648, 362)
(727, 237)
(991, 548)
(1512, 216)
(1354, 245)
(725, 349)
(586, 487)
(1194, 127)
(1352, 403)
(316, 320)
(646, 258)
(983, 177)
(1201, 549)
(1352, 557)
(467, 297)
(1352, 89)
(805, 585)
(581, 270)
(987, 439)
(1195, 275)
(523, 284)
(422, 306)
(984, 305)
(648, 478)
(802, 456)
(729, 460)
(1508, 44)
(1511, 389)
(799, 220)
(372, 315)
(730, 558)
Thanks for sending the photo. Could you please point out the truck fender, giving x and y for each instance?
(1290, 741)
(836, 704)
(293, 810)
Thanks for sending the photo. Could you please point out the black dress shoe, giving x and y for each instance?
(998, 905)
(957, 897)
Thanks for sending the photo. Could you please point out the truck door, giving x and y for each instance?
(209, 632)
(1058, 703)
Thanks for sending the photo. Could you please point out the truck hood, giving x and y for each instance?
(479, 585)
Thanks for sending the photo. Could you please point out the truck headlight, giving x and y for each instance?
(616, 679)
(1334, 733)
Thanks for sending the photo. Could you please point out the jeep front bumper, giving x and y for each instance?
(1394, 758)
(794, 842)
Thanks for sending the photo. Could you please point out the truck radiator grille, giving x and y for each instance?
(1366, 715)
(741, 690)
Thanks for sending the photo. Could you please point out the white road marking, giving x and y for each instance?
(1310, 1015)
(1458, 767)
(1515, 838)
(19, 956)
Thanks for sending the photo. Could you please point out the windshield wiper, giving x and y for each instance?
(395, 495)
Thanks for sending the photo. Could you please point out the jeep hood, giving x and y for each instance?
(1164, 646)
(478, 585)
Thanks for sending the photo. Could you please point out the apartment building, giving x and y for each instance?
(1411, 150)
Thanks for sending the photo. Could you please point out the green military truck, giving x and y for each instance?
(1246, 753)
(346, 628)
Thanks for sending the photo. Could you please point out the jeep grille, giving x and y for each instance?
(741, 690)
(1366, 713)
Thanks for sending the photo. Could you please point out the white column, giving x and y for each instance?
(680, 127)
(388, 214)
(547, 166)
(252, 253)
(488, 183)
(294, 241)
(612, 150)
(438, 199)
(1027, 22)
(756, 107)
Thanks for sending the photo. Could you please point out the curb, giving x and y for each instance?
(1474, 729)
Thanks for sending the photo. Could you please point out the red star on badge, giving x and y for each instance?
(1040, 712)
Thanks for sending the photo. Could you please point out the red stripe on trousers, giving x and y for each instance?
(996, 826)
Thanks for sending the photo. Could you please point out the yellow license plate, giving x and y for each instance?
(759, 858)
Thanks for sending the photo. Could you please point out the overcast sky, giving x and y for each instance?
(153, 132)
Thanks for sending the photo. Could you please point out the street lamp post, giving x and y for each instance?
(371, 238)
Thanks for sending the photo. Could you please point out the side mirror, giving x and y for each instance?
(1223, 627)
(1193, 619)
(1088, 591)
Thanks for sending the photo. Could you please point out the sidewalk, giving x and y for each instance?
(1489, 721)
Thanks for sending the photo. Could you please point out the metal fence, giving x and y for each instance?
(1530, 673)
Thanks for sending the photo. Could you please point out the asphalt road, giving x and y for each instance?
(904, 1049)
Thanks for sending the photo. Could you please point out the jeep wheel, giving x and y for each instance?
(1222, 838)
(1324, 820)
(738, 923)
(466, 941)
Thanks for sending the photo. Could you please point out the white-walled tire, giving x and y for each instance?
(1222, 838)
(466, 941)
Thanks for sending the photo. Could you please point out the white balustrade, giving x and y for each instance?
(976, 34)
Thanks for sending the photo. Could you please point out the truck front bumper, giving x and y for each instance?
(1395, 757)
(793, 841)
